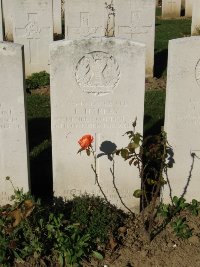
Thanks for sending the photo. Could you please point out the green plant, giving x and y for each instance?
(37, 80)
(181, 228)
(194, 207)
(68, 242)
(97, 218)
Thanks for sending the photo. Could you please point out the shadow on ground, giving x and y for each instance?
(41, 178)
(160, 63)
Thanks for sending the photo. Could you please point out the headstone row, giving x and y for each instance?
(32, 25)
(131, 19)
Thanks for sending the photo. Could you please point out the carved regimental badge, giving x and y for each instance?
(197, 73)
(97, 73)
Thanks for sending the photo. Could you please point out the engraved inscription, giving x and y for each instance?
(33, 33)
(97, 73)
(197, 72)
(8, 119)
(84, 30)
(137, 26)
(32, 29)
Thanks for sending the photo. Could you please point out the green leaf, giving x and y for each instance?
(97, 255)
(151, 181)
(88, 152)
(79, 151)
(124, 153)
(138, 193)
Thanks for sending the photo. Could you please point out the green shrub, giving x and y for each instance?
(97, 217)
(37, 80)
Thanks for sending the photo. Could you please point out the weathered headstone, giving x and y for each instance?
(7, 6)
(84, 18)
(1, 23)
(195, 28)
(135, 19)
(13, 138)
(171, 8)
(97, 87)
(183, 4)
(57, 23)
(33, 27)
(188, 8)
(182, 117)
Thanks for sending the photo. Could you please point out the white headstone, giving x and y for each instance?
(13, 138)
(84, 18)
(57, 22)
(33, 27)
(1, 23)
(195, 28)
(171, 8)
(135, 19)
(183, 4)
(97, 87)
(188, 8)
(7, 6)
(182, 116)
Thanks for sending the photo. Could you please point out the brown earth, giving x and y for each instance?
(165, 250)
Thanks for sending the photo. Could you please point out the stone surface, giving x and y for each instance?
(57, 25)
(84, 18)
(132, 19)
(195, 28)
(7, 6)
(182, 116)
(13, 138)
(1, 23)
(97, 87)
(171, 8)
(33, 27)
(135, 19)
(188, 8)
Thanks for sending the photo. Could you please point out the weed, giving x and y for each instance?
(194, 207)
(181, 228)
(37, 80)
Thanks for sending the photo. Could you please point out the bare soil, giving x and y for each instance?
(165, 250)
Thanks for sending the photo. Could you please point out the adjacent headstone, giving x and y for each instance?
(13, 137)
(57, 16)
(171, 8)
(33, 27)
(1, 23)
(182, 117)
(97, 87)
(188, 8)
(195, 28)
(135, 19)
(85, 18)
(183, 4)
(7, 6)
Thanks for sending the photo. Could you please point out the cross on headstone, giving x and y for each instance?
(137, 27)
(32, 32)
(84, 29)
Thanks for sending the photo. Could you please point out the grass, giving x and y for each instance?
(167, 30)
(39, 109)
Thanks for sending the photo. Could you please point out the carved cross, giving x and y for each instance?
(136, 27)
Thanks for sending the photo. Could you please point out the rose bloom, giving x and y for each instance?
(86, 141)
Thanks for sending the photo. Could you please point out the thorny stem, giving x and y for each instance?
(94, 168)
(112, 170)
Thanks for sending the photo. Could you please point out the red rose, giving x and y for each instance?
(86, 141)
